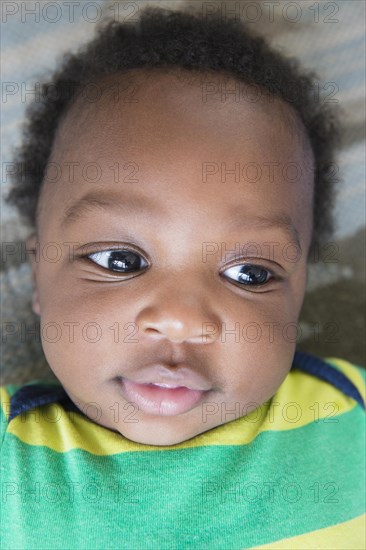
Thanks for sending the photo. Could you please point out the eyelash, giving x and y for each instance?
(245, 269)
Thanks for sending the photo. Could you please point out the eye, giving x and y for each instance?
(123, 261)
(248, 274)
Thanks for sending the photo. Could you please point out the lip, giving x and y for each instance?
(181, 374)
(157, 399)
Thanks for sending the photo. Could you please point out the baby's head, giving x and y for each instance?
(181, 170)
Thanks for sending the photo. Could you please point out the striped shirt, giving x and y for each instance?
(290, 474)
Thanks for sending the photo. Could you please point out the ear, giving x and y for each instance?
(31, 247)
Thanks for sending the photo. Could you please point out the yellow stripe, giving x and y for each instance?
(5, 401)
(352, 373)
(300, 400)
(349, 535)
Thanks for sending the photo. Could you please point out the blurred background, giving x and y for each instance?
(328, 37)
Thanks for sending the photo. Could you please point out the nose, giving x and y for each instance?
(179, 316)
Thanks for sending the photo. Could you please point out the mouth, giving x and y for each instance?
(161, 399)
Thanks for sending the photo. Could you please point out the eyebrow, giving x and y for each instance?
(92, 202)
(280, 221)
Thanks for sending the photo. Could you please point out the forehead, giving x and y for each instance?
(179, 100)
(183, 132)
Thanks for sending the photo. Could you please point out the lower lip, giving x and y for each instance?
(160, 401)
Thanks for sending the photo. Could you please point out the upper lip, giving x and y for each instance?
(175, 376)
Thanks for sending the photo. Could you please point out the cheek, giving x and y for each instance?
(258, 376)
(85, 332)
(268, 318)
(257, 344)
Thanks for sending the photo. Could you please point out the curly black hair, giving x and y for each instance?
(178, 39)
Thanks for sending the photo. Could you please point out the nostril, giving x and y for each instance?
(152, 331)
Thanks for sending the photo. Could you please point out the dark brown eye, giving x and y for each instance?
(248, 274)
(123, 261)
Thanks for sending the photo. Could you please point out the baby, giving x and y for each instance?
(177, 175)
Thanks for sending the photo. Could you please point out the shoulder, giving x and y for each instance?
(42, 415)
(17, 400)
(320, 394)
(329, 378)
(354, 373)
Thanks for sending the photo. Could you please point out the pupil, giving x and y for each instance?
(252, 274)
(123, 261)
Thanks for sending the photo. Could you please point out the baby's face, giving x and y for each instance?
(170, 293)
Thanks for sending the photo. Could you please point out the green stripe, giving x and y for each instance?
(207, 497)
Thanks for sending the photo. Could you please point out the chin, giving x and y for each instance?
(155, 441)
(158, 436)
